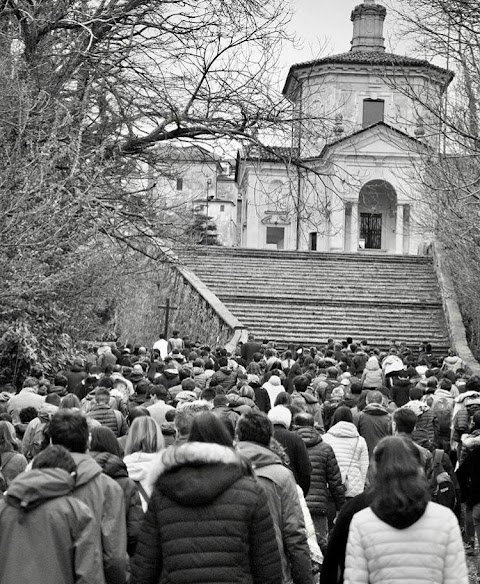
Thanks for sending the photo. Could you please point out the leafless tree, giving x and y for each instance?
(448, 31)
(88, 88)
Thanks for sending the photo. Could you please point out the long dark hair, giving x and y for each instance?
(207, 427)
(342, 414)
(104, 440)
(400, 490)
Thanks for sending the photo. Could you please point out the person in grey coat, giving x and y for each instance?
(254, 433)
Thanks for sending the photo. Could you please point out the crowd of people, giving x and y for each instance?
(185, 463)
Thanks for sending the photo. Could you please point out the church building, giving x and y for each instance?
(350, 181)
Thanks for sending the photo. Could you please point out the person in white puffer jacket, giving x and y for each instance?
(402, 537)
(350, 451)
(144, 440)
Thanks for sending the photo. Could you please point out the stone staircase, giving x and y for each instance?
(307, 297)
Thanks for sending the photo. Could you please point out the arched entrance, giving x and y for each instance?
(377, 204)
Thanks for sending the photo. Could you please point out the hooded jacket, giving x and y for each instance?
(374, 423)
(208, 521)
(225, 377)
(12, 464)
(202, 380)
(114, 467)
(372, 376)
(400, 391)
(285, 507)
(467, 473)
(105, 499)
(27, 397)
(169, 378)
(469, 400)
(74, 375)
(30, 441)
(392, 364)
(106, 358)
(313, 407)
(326, 476)
(452, 363)
(297, 454)
(424, 432)
(351, 453)
(429, 550)
(46, 534)
(139, 466)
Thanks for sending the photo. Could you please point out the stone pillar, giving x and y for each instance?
(399, 230)
(354, 228)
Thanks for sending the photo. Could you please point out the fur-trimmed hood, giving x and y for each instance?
(195, 473)
(453, 360)
(471, 440)
(417, 406)
(468, 397)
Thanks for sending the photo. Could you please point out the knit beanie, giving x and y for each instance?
(280, 415)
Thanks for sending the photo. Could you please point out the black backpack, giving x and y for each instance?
(443, 489)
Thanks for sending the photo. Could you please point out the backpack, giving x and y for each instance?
(329, 409)
(39, 439)
(119, 420)
(444, 489)
(3, 480)
(442, 410)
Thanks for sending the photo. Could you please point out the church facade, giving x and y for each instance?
(350, 181)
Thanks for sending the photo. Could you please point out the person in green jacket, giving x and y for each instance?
(45, 533)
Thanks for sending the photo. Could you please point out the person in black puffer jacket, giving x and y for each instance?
(208, 519)
(469, 481)
(105, 450)
(326, 477)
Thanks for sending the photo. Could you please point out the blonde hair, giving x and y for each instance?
(144, 436)
(8, 437)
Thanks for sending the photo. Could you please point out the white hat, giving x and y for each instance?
(280, 415)
(275, 381)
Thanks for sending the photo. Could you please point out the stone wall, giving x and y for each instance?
(199, 313)
(138, 317)
(453, 315)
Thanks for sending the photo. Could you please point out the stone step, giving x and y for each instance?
(380, 271)
(367, 328)
(307, 297)
(337, 319)
(265, 296)
(356, 258)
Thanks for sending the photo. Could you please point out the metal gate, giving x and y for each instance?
(371, 230)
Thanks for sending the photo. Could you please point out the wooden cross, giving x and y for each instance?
(167, 309)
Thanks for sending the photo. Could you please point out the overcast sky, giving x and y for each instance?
(323, 27)
(316, 22)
